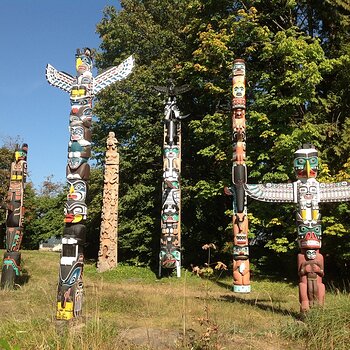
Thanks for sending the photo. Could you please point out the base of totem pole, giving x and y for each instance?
(241, 289)
(178, 269)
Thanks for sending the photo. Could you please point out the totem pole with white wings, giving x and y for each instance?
(307, 193)
(170, 241)
(82, 90)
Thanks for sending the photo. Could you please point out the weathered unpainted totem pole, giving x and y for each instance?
(108, 253)
(170, 241)
(14, 218)
(82, 90)
(307, 193)
(241, 272)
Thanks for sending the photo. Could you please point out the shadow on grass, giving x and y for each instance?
(260, 303)
(23, 278)
(265, 304)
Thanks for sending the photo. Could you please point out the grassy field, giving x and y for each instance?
(129, 308)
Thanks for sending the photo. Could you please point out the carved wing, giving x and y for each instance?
(271, 192)
(62, 80)
(335, 192)
(113, 74)
(181, 89)
(160, 88)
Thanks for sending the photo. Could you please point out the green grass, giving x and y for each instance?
(129, 308)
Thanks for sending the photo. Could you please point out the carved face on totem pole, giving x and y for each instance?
(306, 163)
(83, 61)
(308, 216)
(21, 154)
(309, 236)
(311, 254)
(239, 67)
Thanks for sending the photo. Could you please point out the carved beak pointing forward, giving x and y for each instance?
(308, 168)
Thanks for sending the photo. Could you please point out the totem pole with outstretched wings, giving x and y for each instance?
(82, 90)
(307, 193)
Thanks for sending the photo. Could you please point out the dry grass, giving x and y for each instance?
(129, 308)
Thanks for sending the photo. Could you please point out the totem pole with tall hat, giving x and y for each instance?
(82, 90)
(307, 193)
(241, 271)
(14, 218)
(170, 241)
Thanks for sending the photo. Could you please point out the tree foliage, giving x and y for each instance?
(298, 71)
(298, 67)
(44, 213)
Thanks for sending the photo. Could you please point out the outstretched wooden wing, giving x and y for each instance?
(62, 80)
(113, 74)
(335, 192)
(271, 192)
(171, 90)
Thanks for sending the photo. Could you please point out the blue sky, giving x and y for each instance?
(32, 34)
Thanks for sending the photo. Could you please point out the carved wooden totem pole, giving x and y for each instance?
(241, 272)
(14, 218)
(307, 193)
(170, 241)
(82, 90)
(107, 256)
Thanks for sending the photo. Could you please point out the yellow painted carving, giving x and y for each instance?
(303, 214)
(77, 218)
(78, 63)
(64, 313)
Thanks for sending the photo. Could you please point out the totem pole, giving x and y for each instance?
(14, 218)
(170, 241)
(82, 90)
(241, 272)
(107, 256)
(307, 193)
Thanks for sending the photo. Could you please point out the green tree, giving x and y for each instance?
(297, 59)
(44, 213)
(6, 157)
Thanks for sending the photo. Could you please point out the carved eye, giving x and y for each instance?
(87, 111)
(313, 190)
(313, 161)
(299, 162)
(317, 230)
(303, 229)
(303, 190)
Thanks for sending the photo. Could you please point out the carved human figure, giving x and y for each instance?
(241, 273)
(311, 271)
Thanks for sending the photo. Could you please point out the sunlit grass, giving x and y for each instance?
(130, 308)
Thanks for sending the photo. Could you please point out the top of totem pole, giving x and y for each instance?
(84, 65)
(306, 162)
(171, 90)
(21, 152)
(112, 155)
(111, 140)
(84, 61)
(238, 67)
